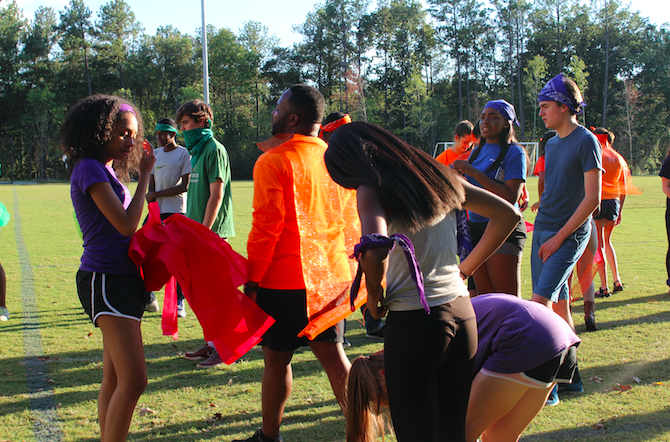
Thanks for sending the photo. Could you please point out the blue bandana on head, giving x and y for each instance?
(555, 90)
(505, 109)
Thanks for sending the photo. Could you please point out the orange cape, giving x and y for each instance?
(329, 228)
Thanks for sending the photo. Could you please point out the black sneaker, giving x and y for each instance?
(603, 293)
(379, 334)
(618, 287)
(257, 438)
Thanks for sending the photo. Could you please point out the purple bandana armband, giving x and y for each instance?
(377, 241)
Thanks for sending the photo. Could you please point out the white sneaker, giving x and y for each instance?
(4, 313)
(152, 307)
(181, 308)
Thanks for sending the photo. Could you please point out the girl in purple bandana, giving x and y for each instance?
(100, 132)
(498, 164)
(406, 198)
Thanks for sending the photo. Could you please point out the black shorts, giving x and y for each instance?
(514, 243)
(560, 369)
(289, 310)
(609, 210)
(120, 295)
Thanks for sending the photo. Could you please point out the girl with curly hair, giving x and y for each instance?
(100, 132)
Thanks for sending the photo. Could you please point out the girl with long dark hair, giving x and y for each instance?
(431, 334)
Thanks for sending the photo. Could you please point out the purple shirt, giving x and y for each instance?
(517, 335)
(105, 249)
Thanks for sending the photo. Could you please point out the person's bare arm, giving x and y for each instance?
(666, 186)
(213, 203)
(592, 191)
(176, 190)
(510, 190)
(124, 220)
(503, 217)
(374, 261)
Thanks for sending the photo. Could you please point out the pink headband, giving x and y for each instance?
(126, 108)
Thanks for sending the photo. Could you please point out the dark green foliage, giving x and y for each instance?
(415, 72)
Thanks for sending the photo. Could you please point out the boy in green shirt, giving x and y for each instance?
(209, 200)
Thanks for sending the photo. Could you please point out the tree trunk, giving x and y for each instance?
(607, 67)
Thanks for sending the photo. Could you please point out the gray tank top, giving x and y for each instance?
(436, 251)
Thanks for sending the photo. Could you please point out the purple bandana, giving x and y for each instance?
(555, 90)
(126, 108)
(505, 109)
(377, 241)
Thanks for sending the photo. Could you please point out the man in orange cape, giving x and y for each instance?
(303, 228)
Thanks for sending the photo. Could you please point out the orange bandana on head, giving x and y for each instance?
(330, 127)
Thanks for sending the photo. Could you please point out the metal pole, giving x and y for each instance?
(205, 69)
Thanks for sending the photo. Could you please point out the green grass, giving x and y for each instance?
(224, 404)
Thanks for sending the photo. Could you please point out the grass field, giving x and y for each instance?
(50, 348)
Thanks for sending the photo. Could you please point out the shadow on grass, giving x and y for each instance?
(166, 368)
(645, 426)
(325, 425)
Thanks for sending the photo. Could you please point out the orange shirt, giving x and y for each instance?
(539, 166)
(304, 227)
(447, 157)
(273, 247)
(614, 178)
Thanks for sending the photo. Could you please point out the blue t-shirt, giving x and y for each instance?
(566, 161)
(513, 166)
(105, 249)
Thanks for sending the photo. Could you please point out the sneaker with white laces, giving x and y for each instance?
(202, 353)
(152, 306)
(4, 313)
(212, 361)
(181, 308)
(257, 438)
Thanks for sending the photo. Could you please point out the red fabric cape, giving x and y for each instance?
(209, 272)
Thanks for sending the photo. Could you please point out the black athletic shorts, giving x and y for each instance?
(120, 295)
(289, 310)
(514, 243)
(560, 369)
(609, 210)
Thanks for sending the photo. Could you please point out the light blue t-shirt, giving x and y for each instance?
(513, 166)
(566, 161)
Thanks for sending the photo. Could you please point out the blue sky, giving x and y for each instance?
(277, 15)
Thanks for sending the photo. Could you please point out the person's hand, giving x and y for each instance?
(549, 248)
(375, 308)
(148, 158)
(462, 166)
(535, 207)
(151, 196)
(618, 220)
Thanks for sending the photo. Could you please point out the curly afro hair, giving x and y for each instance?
(89, 125)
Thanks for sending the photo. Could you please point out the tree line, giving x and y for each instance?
(413, 70)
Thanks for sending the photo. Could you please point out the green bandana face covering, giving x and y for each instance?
(196, 139)
(165, 128)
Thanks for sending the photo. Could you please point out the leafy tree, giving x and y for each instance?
(116, 31)
(76, 34)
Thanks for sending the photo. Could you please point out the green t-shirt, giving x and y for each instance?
(213, 163)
